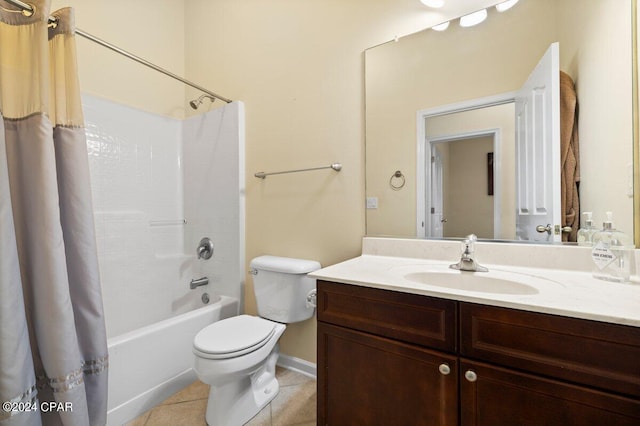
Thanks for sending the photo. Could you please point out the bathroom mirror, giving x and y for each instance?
(432, 70)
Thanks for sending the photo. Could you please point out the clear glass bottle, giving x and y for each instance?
(611, 253)
(585, 233)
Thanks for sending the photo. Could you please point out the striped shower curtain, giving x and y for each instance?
(53, 351)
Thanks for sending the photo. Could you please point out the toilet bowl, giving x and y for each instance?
(237, 356)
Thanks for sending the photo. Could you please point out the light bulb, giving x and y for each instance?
(505, 5)
(441, 27)
(433, 3)
(473, 18)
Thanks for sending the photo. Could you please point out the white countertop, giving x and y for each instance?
(566, 292)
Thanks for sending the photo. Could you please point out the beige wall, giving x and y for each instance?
(601, 68)
(151, 29)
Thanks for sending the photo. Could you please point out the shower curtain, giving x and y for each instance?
(53, 349)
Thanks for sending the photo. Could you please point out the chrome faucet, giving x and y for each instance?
(467, 262)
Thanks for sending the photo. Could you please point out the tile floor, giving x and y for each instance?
(294, 405)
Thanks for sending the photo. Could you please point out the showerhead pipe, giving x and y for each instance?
(196, 102)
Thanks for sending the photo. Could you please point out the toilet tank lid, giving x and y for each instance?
(287, 265)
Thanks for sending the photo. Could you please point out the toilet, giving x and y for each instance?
(237, 356)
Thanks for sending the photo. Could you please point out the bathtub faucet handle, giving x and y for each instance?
(205, 248)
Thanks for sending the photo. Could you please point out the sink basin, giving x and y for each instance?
(471, 281)
(494, 281)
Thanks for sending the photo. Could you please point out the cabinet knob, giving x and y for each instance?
(444, 369)
(471, 375)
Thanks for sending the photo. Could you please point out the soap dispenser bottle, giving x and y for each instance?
(585, 234)
(611, 253)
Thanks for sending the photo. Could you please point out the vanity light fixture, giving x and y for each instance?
(506, 5)
(473, 18)
(433, 3)
(441, 27)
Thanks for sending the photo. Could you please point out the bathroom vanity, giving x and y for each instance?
(393, 349)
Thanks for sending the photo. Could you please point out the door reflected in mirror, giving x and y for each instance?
(461, 203)
(458, 177)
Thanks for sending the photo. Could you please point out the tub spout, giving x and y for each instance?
(199, 282)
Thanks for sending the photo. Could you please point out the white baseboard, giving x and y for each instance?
(298, 365)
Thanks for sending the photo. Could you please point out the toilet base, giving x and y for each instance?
(237, 402)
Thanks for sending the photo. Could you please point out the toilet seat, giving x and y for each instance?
(233, 337)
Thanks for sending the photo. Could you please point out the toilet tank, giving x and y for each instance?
(281, 286)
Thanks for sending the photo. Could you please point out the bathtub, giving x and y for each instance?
(149, 364)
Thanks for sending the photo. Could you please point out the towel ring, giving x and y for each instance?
(397, 181)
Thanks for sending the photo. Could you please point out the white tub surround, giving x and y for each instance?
(159, 185)
(560, 276)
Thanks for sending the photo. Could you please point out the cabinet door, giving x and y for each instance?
(492, 396)
(369, 380)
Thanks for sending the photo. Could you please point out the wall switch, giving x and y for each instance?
(372, 202)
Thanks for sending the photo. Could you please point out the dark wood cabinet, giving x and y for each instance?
(387, 357)
(360, 380)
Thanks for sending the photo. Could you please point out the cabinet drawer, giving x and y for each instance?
(421, 320)
(602, 355)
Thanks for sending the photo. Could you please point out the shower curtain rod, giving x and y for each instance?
(149, 64)
(28, 10)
